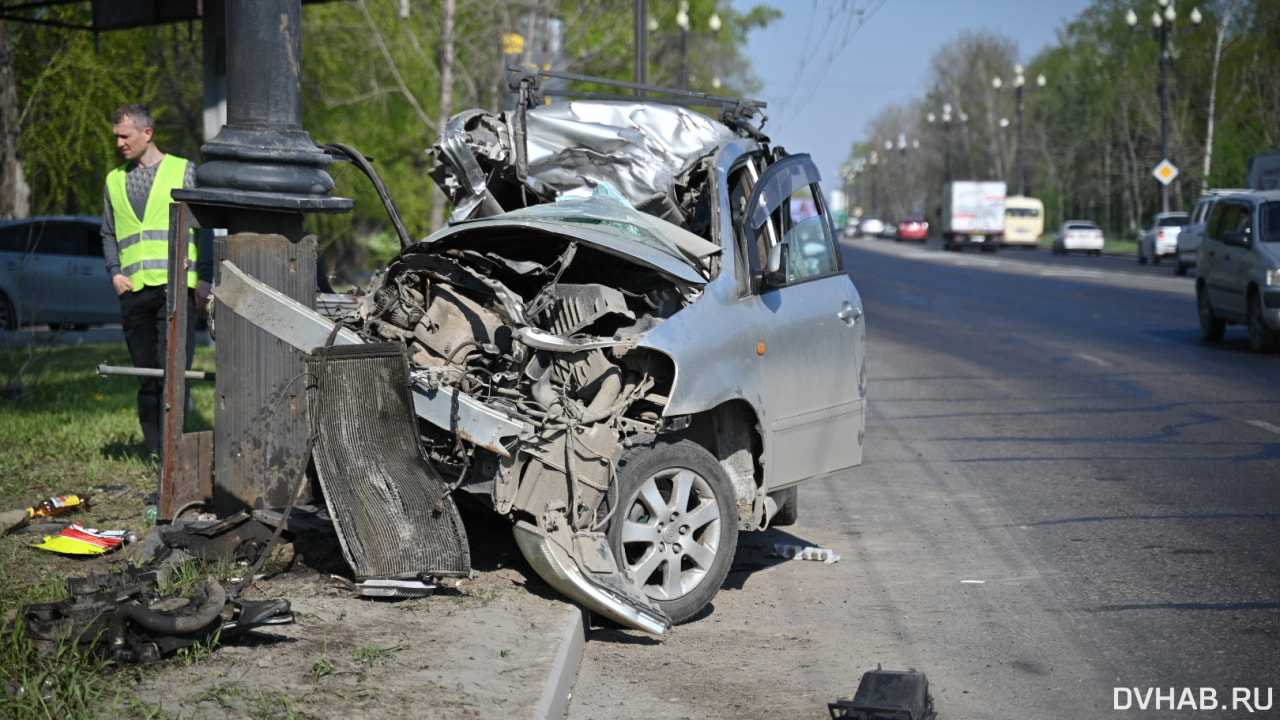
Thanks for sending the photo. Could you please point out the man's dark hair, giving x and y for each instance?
(136, 112)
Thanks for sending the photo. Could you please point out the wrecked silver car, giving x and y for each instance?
(634, 338)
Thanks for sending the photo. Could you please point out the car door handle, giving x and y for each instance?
(850, 314)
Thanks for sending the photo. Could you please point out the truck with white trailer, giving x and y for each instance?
(973, 214)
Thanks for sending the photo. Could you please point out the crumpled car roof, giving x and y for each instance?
(638, 148)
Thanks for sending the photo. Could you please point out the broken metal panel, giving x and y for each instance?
(391, 509)
(260, 416)
(304, 330)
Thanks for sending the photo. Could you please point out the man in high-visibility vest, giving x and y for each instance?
(135, 243)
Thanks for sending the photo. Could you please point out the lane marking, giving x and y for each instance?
(1265, 425)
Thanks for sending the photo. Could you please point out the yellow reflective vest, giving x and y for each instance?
(144, 243)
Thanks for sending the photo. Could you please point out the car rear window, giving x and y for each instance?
(1172, 221)
(1022, 212)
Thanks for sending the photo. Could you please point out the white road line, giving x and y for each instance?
(1265, 425)
(1092, 359)
(1074, 273)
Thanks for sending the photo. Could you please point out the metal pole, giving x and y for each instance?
(946, 126)
(642, 44)
(1022, 173)
(1164, 108)
(684, 58)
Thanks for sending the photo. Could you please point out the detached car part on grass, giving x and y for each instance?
(633, 339)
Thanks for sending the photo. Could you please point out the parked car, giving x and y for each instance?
(645, 355)
(1238, 269)
(1078, 236)
(890, 230)
(52, 273)
(1192, 233)
(850, 228)
(913, 228)
(871, 226)
(1161, 239)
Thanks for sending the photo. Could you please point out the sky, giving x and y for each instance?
(826, 76)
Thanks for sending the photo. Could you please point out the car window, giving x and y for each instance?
(1269, 222)
(1172, 221)
(1226, 216)
(787, 208)
(1022, 212)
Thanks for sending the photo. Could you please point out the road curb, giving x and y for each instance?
(571, 637)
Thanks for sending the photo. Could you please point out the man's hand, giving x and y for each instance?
(203, 290)
(122, 284)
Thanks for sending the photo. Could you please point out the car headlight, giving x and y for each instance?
(1273, 277)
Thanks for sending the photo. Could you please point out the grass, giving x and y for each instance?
(63, 430)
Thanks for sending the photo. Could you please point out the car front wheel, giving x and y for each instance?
(1212, 327)
(1261, 338)
(676, 525)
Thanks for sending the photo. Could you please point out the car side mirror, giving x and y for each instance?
(775, 270)
(1237, 238)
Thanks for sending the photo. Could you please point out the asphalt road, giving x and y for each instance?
(1069, 507)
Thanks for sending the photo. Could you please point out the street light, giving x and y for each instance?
(682, 20)
(946, 127)
(1162, 22)
(1018, 81)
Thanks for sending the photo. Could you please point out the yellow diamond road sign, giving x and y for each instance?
(1165, 172)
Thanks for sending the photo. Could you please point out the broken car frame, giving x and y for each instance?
(633, 339)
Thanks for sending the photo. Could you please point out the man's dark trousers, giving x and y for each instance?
(146, 329)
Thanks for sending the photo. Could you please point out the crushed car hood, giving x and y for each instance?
(607, 224)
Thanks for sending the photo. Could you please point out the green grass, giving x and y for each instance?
(64, 429)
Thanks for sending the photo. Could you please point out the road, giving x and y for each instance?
(1069, 507)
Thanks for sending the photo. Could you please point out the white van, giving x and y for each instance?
(1023, 222)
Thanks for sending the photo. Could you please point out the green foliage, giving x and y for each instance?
(69, 84)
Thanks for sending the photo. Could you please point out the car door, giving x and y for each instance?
(94, 298)
(813, 354)
(1223, 261)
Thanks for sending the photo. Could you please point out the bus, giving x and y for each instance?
(1023, 222)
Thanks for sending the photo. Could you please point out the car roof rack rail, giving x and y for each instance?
(734, 112)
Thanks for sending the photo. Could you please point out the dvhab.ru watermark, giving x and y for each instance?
(1239, 699)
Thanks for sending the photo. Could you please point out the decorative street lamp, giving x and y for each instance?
(1162, 22)
(1018, 81)
(946, 127)
(682, 20)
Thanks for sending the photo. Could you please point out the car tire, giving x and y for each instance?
(788, 513)
(1142, 259)
(1180, 269)
(1212, 328)
(675, 527)
(1261, 338)
(8, 320)
(1155, 259)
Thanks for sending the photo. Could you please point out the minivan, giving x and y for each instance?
(1239, 269)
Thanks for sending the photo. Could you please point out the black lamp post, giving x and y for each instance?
(946, 130)
(1019, 80)
(682, 21)
(1162, 22)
